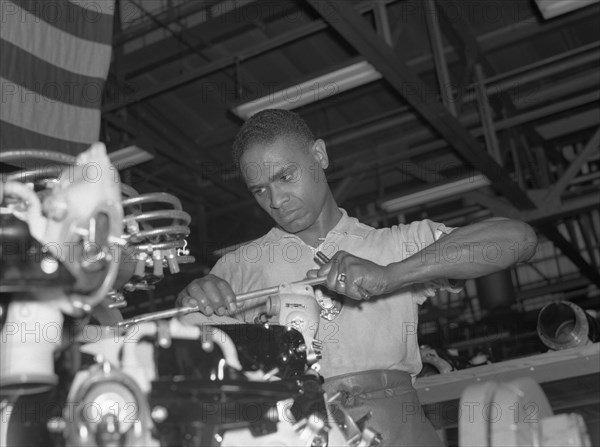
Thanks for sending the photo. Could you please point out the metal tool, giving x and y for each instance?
(330, 308)
(322, 259)
(170, 313)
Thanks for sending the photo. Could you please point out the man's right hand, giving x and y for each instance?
(211, 294)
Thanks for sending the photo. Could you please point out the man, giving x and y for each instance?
(370, 351)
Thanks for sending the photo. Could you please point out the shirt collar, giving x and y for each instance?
(345, 226)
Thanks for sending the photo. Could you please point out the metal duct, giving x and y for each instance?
(496, 290)
(565, 325)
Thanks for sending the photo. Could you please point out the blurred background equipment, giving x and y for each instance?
(435, 362)
(516, 413)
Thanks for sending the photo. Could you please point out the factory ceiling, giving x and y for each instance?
(462, 88)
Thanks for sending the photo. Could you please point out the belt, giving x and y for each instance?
(356, 388)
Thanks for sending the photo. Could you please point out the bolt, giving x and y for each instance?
(49, 265)
(159, 414)
(56, 425)
(56, 208)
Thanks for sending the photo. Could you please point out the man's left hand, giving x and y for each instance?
(352, 276)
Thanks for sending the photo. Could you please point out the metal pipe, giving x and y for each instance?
(437, 48)
(516, 78)
(162, 197)
(486, 112)
(565, 325)
(34, 154)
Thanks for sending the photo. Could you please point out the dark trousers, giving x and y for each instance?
(393, 401)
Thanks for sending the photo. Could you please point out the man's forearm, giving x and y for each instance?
(468, 252)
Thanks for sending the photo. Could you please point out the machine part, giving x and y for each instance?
(355, 433)
(144, 391)
(205, 398)
(78, 221)
(295, 306)
(516, 413)
(115, 300)
(496, 290)
(170, 227)
(564, 429)
(330, 308)
(249, 348)
(62, 226)
(107, 407)
(432, 363)
(565, 325)
(288, 412)
(26, 267)
(30, 335)
(262, 293)
(106, 313)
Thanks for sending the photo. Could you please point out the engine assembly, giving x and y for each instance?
(74, 242)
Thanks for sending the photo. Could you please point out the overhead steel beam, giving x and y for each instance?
(175, 153)
(218, 65)
(466, 120)
(487, 120)
(353, 28)
(589, 236)
(540, 217)
(343, 189)
(168, 16)
(382, 22)
(212, 67)
(430, 146)
(208, 34)
(511, 35)
(574, 167)
(571, 252)
(437, 49)
(458, 30)
(253, 51)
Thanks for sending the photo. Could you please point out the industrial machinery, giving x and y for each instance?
(74, 241)
(564, 325)
(515, 413)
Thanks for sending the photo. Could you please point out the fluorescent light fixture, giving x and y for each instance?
(436, 193)
(553, 8)
(129, 156)
(313, 90)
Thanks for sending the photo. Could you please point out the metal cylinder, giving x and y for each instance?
(30, 335)
(495, 290)
(565, 325)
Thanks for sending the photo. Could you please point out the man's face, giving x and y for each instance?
(286, 178)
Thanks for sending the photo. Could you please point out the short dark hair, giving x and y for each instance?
(268, 125)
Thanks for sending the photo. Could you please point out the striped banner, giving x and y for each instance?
(54, 59)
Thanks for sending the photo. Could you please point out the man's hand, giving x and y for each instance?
(352, 276)
(211, 294)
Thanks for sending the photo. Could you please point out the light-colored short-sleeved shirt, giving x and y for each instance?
(378, 334)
